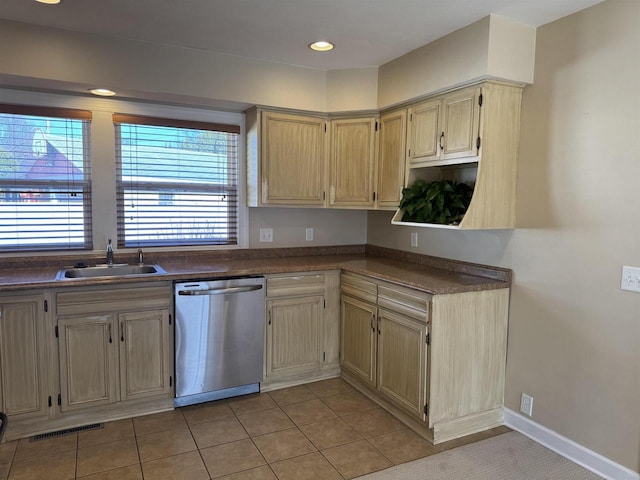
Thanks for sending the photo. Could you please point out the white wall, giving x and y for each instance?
(574, 336)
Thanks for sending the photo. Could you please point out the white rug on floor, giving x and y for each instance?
(510, 456)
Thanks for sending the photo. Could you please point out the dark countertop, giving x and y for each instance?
(429, 274)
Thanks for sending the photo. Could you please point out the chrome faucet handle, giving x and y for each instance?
(109, 253)
(140, 257)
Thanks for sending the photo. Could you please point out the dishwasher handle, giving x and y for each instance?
(220, 291)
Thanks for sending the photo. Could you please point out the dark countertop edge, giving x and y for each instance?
(329, 259)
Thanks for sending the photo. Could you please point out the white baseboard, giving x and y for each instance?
(569, 449)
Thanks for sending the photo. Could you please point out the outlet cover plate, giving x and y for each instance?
(526, 404)
(309, 234)
(630, 279)
(414, 239)
(266, 234)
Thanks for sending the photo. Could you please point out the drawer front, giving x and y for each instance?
(70, 302)
(359, 287)
(409, 302)
(295, 285)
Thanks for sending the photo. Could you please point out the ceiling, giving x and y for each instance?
(367, 33)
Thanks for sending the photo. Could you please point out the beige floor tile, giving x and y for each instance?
(231, 458)
(7, 451)
(260, 473)
(55, 466)
(287, 396)
(110, 432)
(26, 448)
(403, 446)
(333, 386)
(374, 422)
(206, 412)
(252, 403)
(357, 458)
(132, 472)
(307, 467)
(4, 471)
(158, 422)
(107, 456)
(284, 444)
(265, 421)
(349, 402)
(186, 466)
(330, 433)
(164, 444)
(226, 430)
(310, 411)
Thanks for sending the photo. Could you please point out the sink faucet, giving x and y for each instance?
(109, 253)
(140, 259)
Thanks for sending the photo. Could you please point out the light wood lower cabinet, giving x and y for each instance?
(302, 331)
(437, 362)
(24, 370)
(114, 345)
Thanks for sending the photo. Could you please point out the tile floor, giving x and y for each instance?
(324, 430)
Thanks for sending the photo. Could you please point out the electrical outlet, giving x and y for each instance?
(526, 404)
(266, 234)
(414, 239)
(309, 234)
(630, 279)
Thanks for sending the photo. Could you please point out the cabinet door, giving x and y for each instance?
(352, 162)
(294, 334)
(391, 158)
(402, 361)
(424, 132)
(23, 353)
(461, 119)
(358, 341)
(88, 361)
(145, 354)
(293, 159)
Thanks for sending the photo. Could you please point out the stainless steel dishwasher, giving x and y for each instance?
(219, 338)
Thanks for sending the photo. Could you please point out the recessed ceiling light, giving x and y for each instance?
(103, 92)
(49, 2)
(321, 46)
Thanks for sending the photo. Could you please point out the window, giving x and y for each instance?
(177, 182)
(45, 187)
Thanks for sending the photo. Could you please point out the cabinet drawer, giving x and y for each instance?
(112, 299)
(409, 302)
(358, 286)
(295, 285)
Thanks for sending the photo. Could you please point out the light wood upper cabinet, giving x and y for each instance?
(24, 390)
(145, 354)
(88, 361)
(352, 161)
(391, 158)
(286, 159)
(460, 123)
(424, 131)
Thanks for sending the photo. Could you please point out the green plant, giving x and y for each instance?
(444, 202)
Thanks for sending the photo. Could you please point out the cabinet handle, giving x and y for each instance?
(110, 339)
(122, 331)
(373, 324)
(269, 317)
(441, 141)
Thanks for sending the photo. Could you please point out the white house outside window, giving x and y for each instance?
(177, 182)
(45, 187)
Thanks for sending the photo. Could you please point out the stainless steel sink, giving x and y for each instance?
(115, 270)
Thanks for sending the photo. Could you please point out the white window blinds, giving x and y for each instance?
(45, 187)
(177, 182)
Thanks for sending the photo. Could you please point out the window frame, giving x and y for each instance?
(84, 185)
(236, 192)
